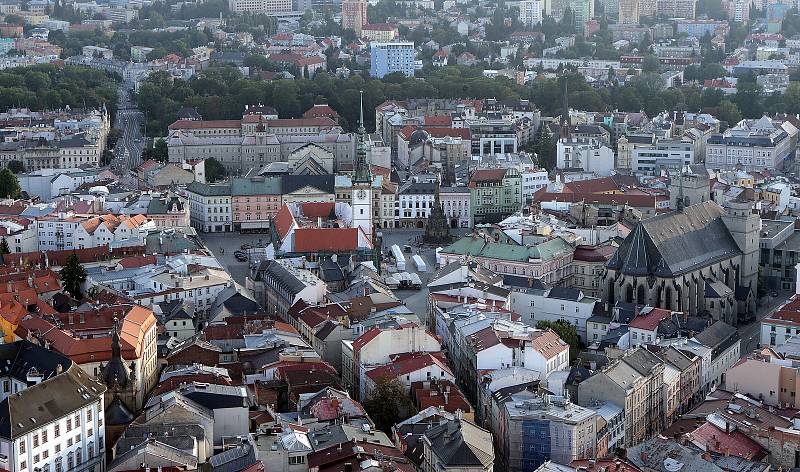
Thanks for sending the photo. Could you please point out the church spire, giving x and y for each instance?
(565, 119)
(361, 171)
(680, 201)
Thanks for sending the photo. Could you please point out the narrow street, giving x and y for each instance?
(750, 333)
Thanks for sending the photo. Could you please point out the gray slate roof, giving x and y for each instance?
(675, 243)
(459, 443)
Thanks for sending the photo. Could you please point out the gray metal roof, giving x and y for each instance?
(676, 243)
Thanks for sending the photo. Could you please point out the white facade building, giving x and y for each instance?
(532, 181)
(57, 413)
(456, 205)
(209, 207)
(751, 145)
(591, 155)
(554, 304)
(530, 12)
(666, 154)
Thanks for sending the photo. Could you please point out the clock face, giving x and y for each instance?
(362, 194)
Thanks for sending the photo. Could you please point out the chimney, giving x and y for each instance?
(644, 456)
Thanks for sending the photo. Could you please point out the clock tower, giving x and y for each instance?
(362, 182)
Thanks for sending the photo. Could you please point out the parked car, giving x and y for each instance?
(241, 257)
(246, 246)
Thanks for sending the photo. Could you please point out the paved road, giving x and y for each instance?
(128, 151)
(751, 333)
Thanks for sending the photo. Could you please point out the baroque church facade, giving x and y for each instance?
(700, 259)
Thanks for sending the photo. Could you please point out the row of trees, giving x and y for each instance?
(222, 93)
(46, 86)
(163, 42)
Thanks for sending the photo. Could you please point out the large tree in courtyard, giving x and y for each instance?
(73, 275)
(388, 404)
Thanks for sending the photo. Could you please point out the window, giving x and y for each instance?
(36, 458)
(89, 412)
(44, 435)
(57, 449)
(295, 460)
(70, 461)
(45, 454)
(35, 440)
(69, 424)
(22, 447)
(56, 430)
(58, 465)
(23, 465)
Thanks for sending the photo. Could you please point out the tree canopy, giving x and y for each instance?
(9, 185)
(73, 275)
(388, 404)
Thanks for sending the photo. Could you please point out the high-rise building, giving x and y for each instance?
(628, 12)
(354, 15)
(677, 8)
(386, 58)
(582, 11)
(648, 8)
(530, 12)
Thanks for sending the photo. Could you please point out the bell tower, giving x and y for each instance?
(362, 182)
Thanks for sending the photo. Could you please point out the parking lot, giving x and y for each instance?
(231, 242)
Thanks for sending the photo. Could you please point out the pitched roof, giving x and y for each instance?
(648, 320)
(716, 335)
(713, 439)
(326, 239)
(487, 175)
(461, 444)
(403, 364)
(676, 242)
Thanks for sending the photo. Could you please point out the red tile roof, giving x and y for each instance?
(404, 364)
(34, 281)
(365, 339)
(736, 444)
(439, 393)
(487, 175)
(439, 120)
(321, 111)
(325, 239)
(594, 253)
(548, 344)
(318, 209)
(136, 322)
(137, 261)
(603, 184)
(284, 221)
(786, 314)
(649, 321)
(484, 339)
